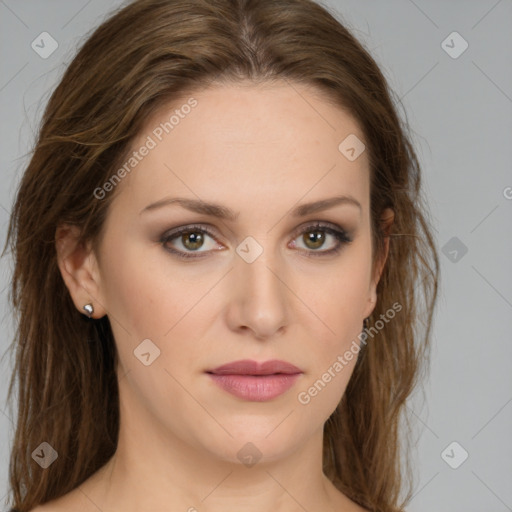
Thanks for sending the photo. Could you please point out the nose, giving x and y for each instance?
(258, 298)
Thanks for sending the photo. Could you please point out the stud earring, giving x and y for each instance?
(89, 310)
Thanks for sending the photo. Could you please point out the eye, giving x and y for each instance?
(189, 239)
(314, 237)
(197, 241)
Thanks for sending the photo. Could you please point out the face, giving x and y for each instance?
(257, 276)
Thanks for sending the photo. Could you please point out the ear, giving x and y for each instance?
(386, 222)
(79, 269)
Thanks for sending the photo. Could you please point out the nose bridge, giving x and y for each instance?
(260, 297)
(259, 276)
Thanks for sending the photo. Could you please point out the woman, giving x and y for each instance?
(218, 244)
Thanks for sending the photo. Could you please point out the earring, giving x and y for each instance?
(365, 323)
(89, 310)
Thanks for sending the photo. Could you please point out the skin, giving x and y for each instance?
(259, 150)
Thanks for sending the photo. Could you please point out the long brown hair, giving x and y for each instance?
(144, 56)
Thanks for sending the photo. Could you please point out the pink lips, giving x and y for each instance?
(253, 381)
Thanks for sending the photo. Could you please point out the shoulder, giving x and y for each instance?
(356, 508)
(77, 499)
(68, 503)
(344, 503)
(47, 507)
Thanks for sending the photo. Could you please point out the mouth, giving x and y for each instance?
(256, 382)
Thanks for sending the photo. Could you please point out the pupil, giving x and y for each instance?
(316, 238)
(196, 240)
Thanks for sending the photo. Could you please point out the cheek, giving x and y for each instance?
(332, 360)
(322, 391)
(338, 295)
(141, 294)
(337, 301)
(137, 301)
(148, 298)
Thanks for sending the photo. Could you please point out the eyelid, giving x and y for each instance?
(208, 229)
(320, 224)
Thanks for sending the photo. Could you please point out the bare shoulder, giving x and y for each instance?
(343, 502)
(47, 507)
(51, 506)
(72, 502)
(79, 499)
(352, 506)
(358, 508)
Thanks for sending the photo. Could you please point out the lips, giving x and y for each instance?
(256, 382)
(249, 367)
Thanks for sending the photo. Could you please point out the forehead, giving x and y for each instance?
(246, 139)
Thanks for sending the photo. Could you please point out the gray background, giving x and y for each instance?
(460, 112)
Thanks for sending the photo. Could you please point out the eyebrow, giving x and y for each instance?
(221, 212)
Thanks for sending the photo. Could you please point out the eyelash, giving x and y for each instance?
(340, 235)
